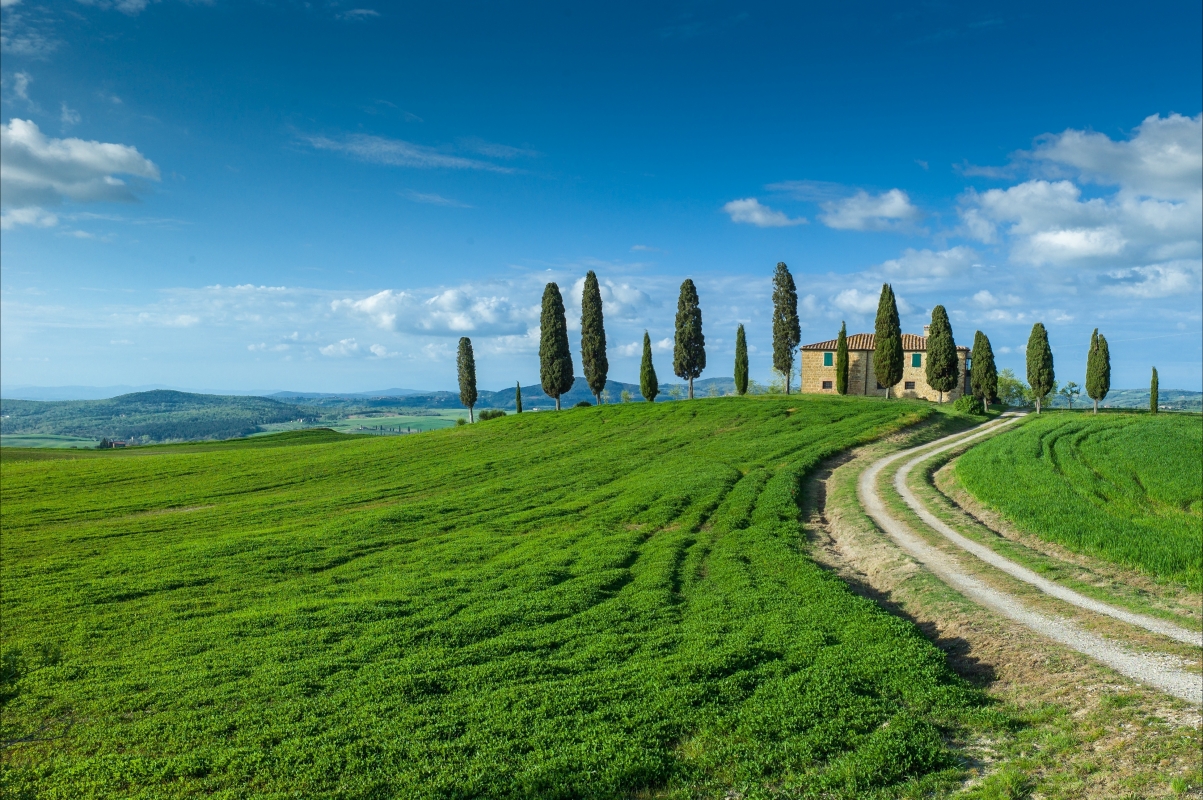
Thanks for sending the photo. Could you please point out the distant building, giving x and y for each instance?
(818, 368)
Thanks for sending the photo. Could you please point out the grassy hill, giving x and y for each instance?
(157, 416)
(1123, 487)
(595, 603)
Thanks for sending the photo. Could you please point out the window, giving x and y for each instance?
(828, 359)
(916, 361)
(909, 385)
(879, 386)
(826, 384)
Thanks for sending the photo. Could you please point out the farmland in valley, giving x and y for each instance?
(1123, 487)
(590, 603)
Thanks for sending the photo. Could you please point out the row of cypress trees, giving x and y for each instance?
(689, 350)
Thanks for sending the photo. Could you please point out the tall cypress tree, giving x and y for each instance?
(593, 337)
(942, 367)
(649, 385)
(1153, 398)
(887, 344)
(517, 397)
(555, 358)
(983, 374)
(689, 345)
(466, 364)
(1040, 364)
(741, 362)
(1098, 369)
(841, 360)
(786, 332)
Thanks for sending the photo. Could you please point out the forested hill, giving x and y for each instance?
(158, 416)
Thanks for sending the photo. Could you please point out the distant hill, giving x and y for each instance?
(1170, 399)
(156, 416)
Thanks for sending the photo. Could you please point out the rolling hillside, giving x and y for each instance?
(598, 603)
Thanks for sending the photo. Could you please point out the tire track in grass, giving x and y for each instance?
(1159, 671)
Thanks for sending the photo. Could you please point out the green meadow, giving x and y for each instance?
(603, 603)
(1124, 487)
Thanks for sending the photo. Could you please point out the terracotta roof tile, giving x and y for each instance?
(865, 341)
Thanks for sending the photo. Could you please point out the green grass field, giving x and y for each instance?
(603, 602)
(1124, 487)
(46, 440)
(392, 424)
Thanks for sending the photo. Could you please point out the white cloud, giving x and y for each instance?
(36, 171)
(930, 264)
(619, 300)
(20, 39)
(451, 312)
(27, 216)
(130, 7)
(889, 211)
(398, 153)
(21, 83)
(358, 14)
(1155, 214)
(8, 3)
(339, 349)
(637, 248)
(433, 199)
(665, 345)
(628, 350)
(854, 301)
(1154, 281)
(69, 116)
(750, 211)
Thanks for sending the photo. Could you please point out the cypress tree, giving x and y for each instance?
(942, 367)
(786, 333)
(1098, 369)
(1040, 363)
(517, 397)
(887, 345)
(689, 345)
(741, 362)
(649, 385)
(467, 375)
(1153, 392)
(593, 337)
(983, 374)
(841, 360)
(555, 359)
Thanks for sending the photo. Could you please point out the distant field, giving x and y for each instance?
(45, 440)
(592, 603)
(383, 425)
(1124, 487)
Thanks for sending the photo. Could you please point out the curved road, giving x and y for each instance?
(1160, 671)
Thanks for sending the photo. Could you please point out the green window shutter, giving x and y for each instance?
(828, 359)
(916, 359)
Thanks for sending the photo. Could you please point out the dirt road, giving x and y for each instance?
(1167, 673)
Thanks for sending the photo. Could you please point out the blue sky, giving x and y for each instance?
(325, 196)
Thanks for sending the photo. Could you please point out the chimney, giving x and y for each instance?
(926, 328)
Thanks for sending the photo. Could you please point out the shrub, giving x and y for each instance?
(583, 404)
(461, 421)
(491, 413)
(968, 404)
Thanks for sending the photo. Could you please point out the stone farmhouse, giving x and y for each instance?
(818, 368)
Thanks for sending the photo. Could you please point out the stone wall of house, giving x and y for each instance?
(862, 380)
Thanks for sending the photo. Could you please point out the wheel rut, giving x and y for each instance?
(1163, 672)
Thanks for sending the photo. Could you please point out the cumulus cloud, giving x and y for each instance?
(1154, 281)
(451, 312)
(619, 300)
(930, 264)
(399, 153)
(35, 217)
(864, 303)
(37, 171)
(750, 211)
(1155, 214)
(340, 349)
(888, 211)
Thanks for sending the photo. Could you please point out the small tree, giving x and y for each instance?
(555, 358)
(649, 385)
(689, 345)
(1098, 369)
(887, 345)
(1041, 377)
(517, 397)
(467, 375)
(741, 361)
(1070, 392)
(841, 360)
(625, 396)
(983, 374)
(943, 369)
(786, 331)
(593, 337)
(1153, 392)
(674, 391)
(1011, 390)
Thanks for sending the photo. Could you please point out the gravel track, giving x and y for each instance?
(1163, 672)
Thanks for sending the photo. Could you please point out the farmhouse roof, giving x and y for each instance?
(865, 341)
